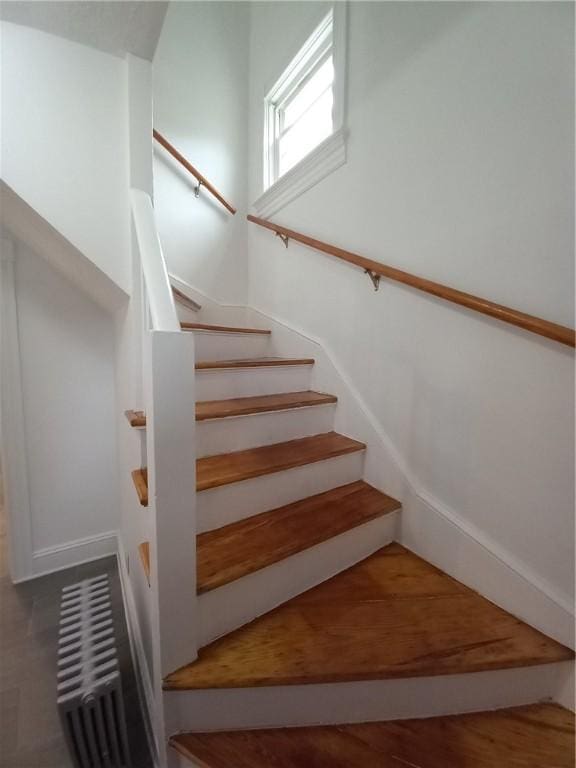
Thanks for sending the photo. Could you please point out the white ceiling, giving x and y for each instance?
(118, 27)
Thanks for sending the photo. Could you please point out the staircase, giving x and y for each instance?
(311, 615)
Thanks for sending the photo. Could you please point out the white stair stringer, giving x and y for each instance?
(226, 504)
(361, 701)
(225, 345)
(232, 605)
(238, 433)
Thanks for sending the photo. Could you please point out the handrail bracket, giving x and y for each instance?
(374, 277)
(285, 239)
(197, 189)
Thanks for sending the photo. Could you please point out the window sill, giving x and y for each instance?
(327, 157)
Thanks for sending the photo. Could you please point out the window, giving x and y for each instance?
(303, 111)
(300, 106)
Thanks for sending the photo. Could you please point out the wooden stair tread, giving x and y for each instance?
(136, 418)
(246, 406)
(221, 328)
(248, 545)
(536, 736)
(140, 480)
(225, 468)
(185, 300)
(253, 362)
(391, 616)
(144, 552)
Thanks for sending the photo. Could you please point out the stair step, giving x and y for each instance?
(221, 328)
(185, 300)
(236, 550)
(255, 362)
(144, 552)
(246, 406)
(214, 471)
(391, 616)
(226, 468)
(140, 480)
(524, 737)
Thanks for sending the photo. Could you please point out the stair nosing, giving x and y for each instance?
(388, 505)
(354, 446)
(227, 329)
(137, 419)
(256, 362)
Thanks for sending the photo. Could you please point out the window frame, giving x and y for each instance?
(331, 152)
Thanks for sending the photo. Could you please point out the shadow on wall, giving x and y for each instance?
(410, 41)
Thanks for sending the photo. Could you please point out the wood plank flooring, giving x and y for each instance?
(391, 616)
(246, 406)
(236, 550)
(538, 736)
(214, 471)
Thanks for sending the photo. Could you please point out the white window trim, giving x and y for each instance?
(330, 154)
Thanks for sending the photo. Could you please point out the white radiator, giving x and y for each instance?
(89, 686)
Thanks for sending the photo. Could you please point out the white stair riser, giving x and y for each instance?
(224, 383)
(228, 503)
(233, 605)
(357, 702)
(230, 346)
(241, 432)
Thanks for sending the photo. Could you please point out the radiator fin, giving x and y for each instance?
(89, 686)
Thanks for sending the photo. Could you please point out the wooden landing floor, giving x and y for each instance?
(540, 736)
(391, 616)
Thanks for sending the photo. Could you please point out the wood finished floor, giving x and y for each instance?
(236, 550)
(539, 736)
(391, 616)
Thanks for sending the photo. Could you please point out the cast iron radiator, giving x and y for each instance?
(89, 687)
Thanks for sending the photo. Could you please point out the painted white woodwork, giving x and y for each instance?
(217, 345)
(224, 609)
(227, 503)
(238, 433)
(159, 292)
(171, 492)
(365, 701)
(224, 383)
(13, 457)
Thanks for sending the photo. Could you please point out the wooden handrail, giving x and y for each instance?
(202, 180)
(528, 322)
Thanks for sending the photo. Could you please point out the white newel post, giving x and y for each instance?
(170, 417)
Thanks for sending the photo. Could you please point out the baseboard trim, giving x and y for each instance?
(442, 536)
(143, 681)
(452, 544)
(58, 558)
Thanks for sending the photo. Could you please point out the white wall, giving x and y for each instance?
(68, 393)
(64, 141)
(460, 169)
(200, 105)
